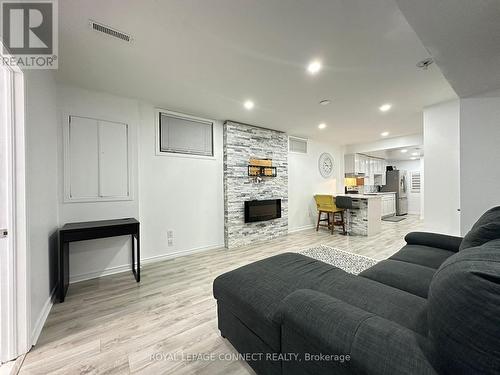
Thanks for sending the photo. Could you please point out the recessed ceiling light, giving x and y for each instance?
(404, 151)
(325, 102)
(385, 107)
(384, 134)
(249, 104)
(314, 67)
(322, 125)
(415, 154)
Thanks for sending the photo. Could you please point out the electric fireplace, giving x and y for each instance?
(262, 210)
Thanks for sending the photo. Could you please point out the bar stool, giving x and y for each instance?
(326, 205)
(346, 204)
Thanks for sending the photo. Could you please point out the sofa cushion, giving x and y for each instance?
(253, 293)
(441, 241)
(412, 278)
(487, 228)
(423, 255)
(464, 317)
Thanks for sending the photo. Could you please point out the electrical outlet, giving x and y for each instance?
(170, 237)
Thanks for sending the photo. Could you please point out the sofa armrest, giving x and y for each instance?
(315, 324)
(441, 241)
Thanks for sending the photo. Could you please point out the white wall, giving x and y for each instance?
(480, 156)
(413, 198)
(42, 190)
(97, 257)
(304, 181)
(183, 194)
(442, 167)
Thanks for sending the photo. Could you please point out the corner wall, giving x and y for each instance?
(241, 143)
(42, 190)
(442, 168)
(480, 157)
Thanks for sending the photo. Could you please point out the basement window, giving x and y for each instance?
(184, 134)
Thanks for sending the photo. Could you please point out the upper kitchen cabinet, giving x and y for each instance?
(372, 169)
(356, 164)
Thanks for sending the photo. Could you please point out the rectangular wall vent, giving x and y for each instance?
(298, 145)
(99, 27)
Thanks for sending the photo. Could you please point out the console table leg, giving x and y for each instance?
(138, 257)
(136, 248)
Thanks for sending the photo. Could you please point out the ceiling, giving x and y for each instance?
(399, 154)
(207, 57)
(463, 36)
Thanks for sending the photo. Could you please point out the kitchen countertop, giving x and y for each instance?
(360, 196)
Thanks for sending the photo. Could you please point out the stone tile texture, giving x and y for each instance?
(241, 143)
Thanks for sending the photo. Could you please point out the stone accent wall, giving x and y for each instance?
(358, 218)
(241, 143)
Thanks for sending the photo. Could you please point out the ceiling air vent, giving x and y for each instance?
(297, 145)
(96, 26)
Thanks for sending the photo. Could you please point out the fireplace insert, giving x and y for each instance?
(262, 210)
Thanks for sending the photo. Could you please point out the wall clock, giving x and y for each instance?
(326, 165)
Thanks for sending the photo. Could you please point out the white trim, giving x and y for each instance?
(158, 152)
(148, 260)
(23, 287)
(16, 270)
(42, 318)
(18, 309)
(175, 254)
(301, 228)
(66, 163)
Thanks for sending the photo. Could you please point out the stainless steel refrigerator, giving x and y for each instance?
(397, 181)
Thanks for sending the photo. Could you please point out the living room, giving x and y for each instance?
(183, 150)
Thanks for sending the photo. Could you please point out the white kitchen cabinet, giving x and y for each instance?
(355, 164)
(373, 169)
(388, 205)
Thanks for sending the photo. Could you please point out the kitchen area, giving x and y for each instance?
(383, 186)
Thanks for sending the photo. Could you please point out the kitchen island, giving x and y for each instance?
(365, 218)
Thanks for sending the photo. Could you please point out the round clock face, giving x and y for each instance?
(326, 165)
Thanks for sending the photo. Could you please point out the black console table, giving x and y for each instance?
(92, 230)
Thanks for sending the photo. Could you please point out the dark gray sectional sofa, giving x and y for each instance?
(431, 308)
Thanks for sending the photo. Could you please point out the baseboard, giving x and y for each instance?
(42, 318)
(298, 229)
(159, 258)
(127, 267)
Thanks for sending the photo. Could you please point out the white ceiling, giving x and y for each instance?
(396, 154)
(464, 38)
(207, 57)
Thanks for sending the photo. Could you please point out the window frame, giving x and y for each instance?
(159, 152)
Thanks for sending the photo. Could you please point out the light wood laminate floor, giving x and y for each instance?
(112, 325)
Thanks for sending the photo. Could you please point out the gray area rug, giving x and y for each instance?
(349, 262)
(394, 219)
